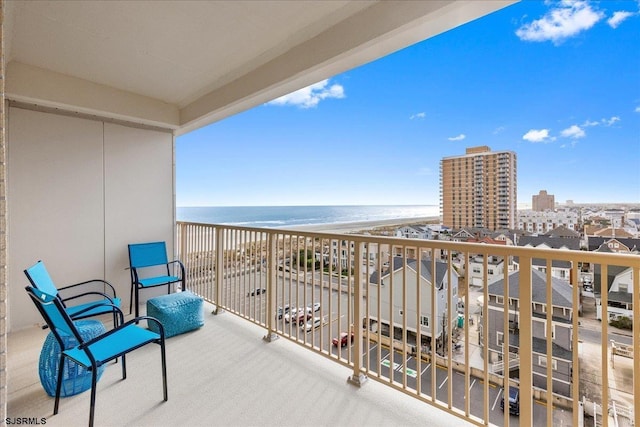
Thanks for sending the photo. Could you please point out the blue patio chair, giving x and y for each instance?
(150, 267)
(93, 353)
(99, 302)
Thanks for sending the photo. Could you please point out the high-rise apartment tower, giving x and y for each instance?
(543, 201)
(479, 189)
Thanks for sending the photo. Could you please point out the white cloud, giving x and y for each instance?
(420, 116)
(637, 110)
(566, 20)
(571, 144)
(457, 138)
(574, 132)
(611, 121)
(498, 130)
(534, 135)
(310, 96)
(605, 122)
(618, 18)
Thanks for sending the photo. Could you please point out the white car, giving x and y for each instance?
(291, 314)
(310, 325)
(315, 307)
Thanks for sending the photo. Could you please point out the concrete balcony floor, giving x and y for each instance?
(223, 374)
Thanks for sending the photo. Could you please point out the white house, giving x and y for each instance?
(397, 289)
(495, 270)
(619, 298)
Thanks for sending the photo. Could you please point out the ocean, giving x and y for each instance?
(286, 216)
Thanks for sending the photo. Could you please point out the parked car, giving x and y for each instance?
(257, 291)
(343, 339)
(302, 315)
(310, 325)
(514, 401)
(282, 311)
(298, 314)
(288, 317)
(315, 307)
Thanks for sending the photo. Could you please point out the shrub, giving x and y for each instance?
(622, 323)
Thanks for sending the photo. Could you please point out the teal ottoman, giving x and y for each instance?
(179, 313)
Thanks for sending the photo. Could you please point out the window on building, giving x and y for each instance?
(424, 321)
(499, 338)
(542, 361)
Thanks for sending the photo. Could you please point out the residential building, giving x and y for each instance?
(620, 296)
(561, 332)
(398, 285)
(415, 232)
(533, 221)
(479, 189)
(613, 244)
(560, 269)
(610, 232)
(342, 254)
(543, 201)
(495, 269)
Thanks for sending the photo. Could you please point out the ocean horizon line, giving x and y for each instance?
(305, 206)
(308, 215)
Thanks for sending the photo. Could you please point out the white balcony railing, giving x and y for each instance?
(396, 328)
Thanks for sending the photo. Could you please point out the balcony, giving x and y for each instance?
(223, 374)
(127, 115)
(249, 366)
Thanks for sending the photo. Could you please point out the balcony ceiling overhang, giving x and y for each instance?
(181, 65)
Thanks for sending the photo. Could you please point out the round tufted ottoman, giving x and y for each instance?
(75, 379)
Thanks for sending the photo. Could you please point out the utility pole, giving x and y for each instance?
(444, 333)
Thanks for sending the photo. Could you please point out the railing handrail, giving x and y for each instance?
(609, 258)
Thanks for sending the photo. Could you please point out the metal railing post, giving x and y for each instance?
(272, 280)
(219, 261)
(526, 343)
(358, 378)
(635, 342)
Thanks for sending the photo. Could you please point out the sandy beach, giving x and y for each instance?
(352, 227)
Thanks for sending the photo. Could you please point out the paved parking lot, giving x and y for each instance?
(393, 365)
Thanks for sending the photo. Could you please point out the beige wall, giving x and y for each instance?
(4, 302)
(79, 190)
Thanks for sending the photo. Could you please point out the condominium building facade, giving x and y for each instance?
(479, 189)
(543, 201)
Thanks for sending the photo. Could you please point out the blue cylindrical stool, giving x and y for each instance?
(75, 378)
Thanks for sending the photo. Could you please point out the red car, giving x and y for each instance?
(343, 339)
(301, 316)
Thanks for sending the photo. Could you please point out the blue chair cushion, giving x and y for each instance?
(178, 312)
(75, 378)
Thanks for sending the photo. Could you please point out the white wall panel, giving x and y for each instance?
(55, 202)
(80, 190)
(139, 196)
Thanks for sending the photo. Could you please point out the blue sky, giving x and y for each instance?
(556, 82)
